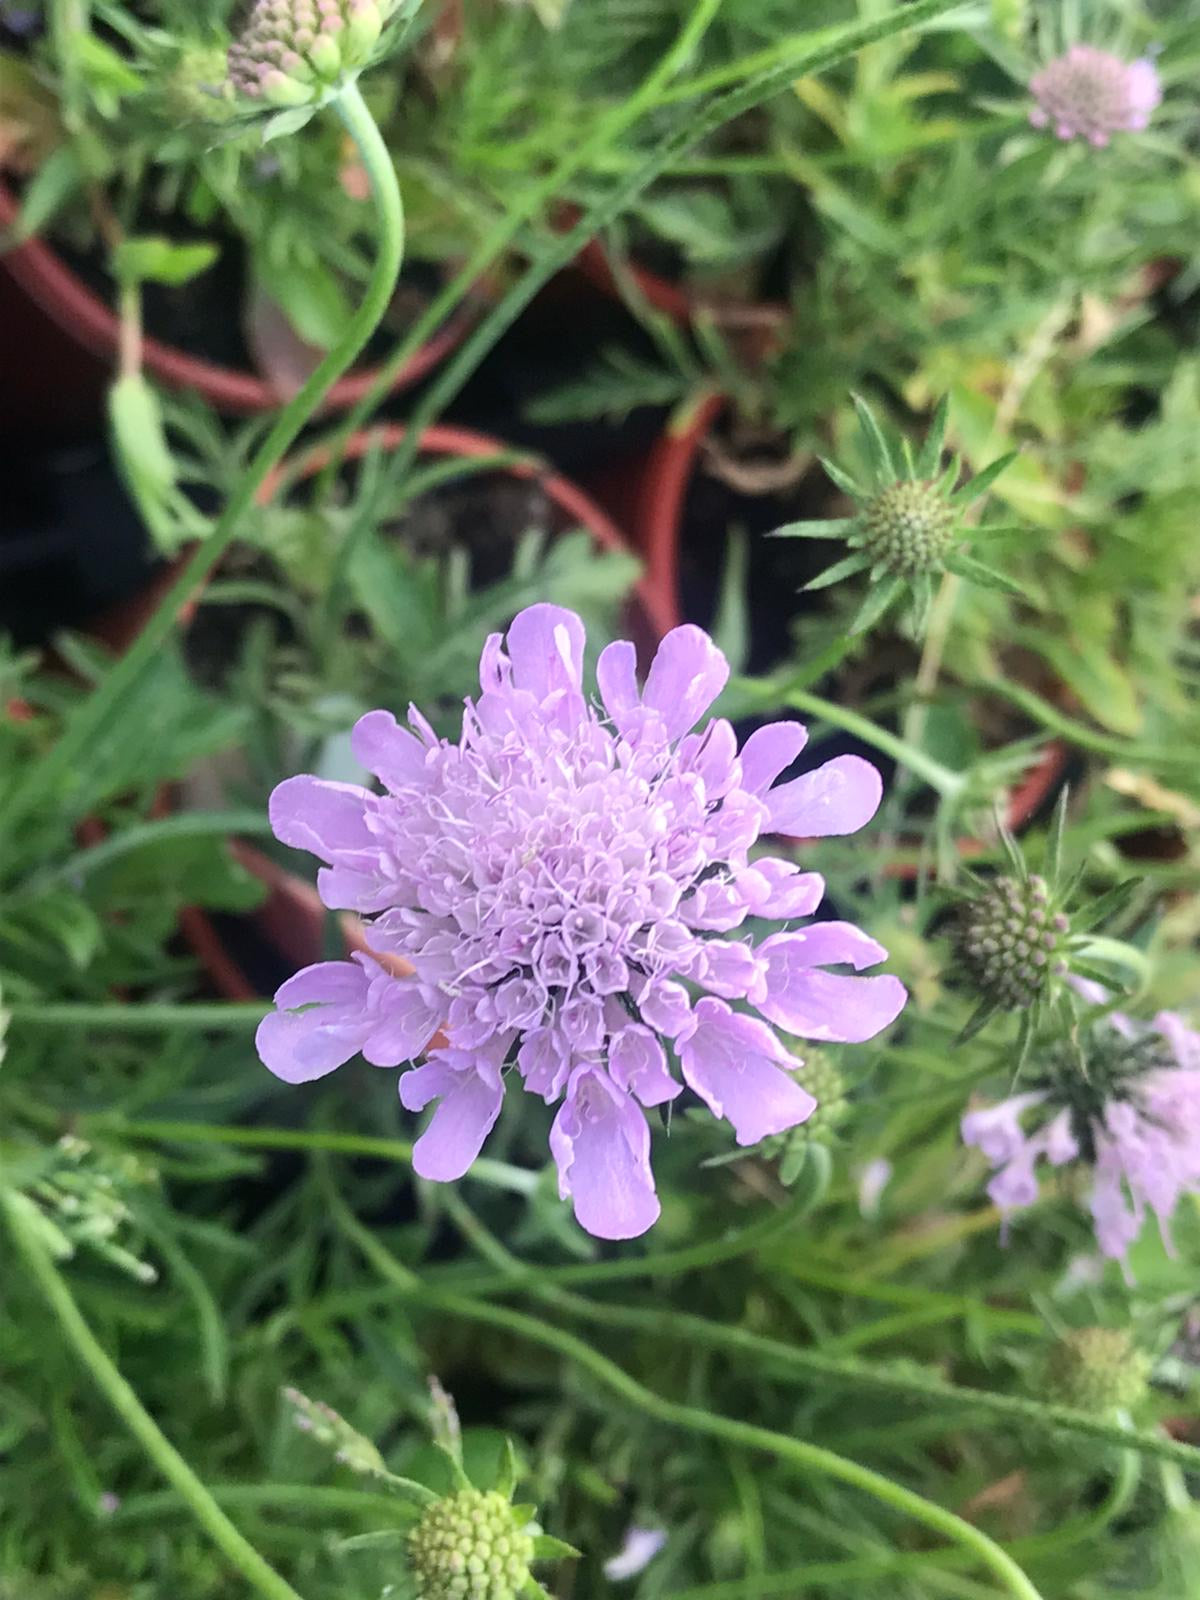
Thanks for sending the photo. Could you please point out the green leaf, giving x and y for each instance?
(877, 445)
(506, 1476)
(845, 568)
(284, 123)
(931, 450)
(57, 179)
(979, 485)
(977, 1021)
(831, 529)
(1098, 911)
(879, 597)
(547, 1548)
(154, 259)
(1054, 844)
(965, 566)
(843, 480)
(731, 627)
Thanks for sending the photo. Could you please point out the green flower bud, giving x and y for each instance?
(1012, 943)
(298, 52)
(330, 1428)
(471, 1546)
(908, 528)
(195, 86)
(1096, 1369)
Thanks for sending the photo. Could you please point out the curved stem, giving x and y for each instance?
(108, 1379)
(96, 713)
(799, 1452)
(948, 784)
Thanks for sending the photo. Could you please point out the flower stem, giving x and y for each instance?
(139, 1018)
(948, 784)
(810, 1458)
(137, 1419)
(96, 714)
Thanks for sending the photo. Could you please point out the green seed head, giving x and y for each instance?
(468, 1547)
(1096, 1369)
(195, 87)
(1012, 943)
(908, 528)
(297, 52)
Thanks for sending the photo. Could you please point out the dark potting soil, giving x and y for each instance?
(71, 544)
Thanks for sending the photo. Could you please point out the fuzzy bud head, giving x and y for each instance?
(290, 52)
(1096, 1369)
(469, 1546)
(1011, 942)
(908, 528)
(1091, 94)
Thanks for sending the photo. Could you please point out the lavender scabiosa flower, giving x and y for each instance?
(1088, 93)
(553, 888)
(1129, 1109)
(299, 52)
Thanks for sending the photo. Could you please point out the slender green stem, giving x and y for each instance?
(532, 204)
(145, 835)
(498, 1173)
(95, 715)
(139, 1018)
(808, 1457)
(313, 1498)
(129, 1408)
(690, 128)
(948, 784)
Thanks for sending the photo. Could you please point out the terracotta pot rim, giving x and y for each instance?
(80, 312)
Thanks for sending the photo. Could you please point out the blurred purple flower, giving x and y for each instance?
(1091, 94)
(638, 1549)
(1131, 1110)
(559, 882)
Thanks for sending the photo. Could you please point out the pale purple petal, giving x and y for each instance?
(545, 644)
(768, 752)
(327, 819)
(616, 677)
(638, 1549)
(470, 1092)
(637, 1063)
(406, 1022)
(1184, 1042)
(687, 674)
(772, 887)
(299, 1045)
(840, 797)
(731, 1061)
(383, 747)
(601, 1145)
(824, 1005)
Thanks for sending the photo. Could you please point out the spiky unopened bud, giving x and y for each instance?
(908, 528)
(1096, 1369)
(471, 1546)
(1011, 942)
(296, 52)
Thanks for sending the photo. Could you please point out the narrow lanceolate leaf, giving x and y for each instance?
(846, 568)
(1104, 906)
(879, 598)
(931, 450)
(979, 485)
(837, 528)
(973, 571)
(977, 1021)
(843, 480)
(999, 530)
(877, 445)
(1054, 844)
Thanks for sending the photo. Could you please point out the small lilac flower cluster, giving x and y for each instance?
(290, 52)
(1130, 1109)
(1088, 93)
(557, 890)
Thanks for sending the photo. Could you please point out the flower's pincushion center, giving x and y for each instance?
(468, 1547)
(908, 528)
(561, 877)
(1011, 942)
